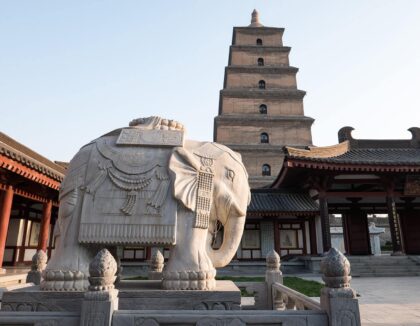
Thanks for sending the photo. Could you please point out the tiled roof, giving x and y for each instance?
(363, 151)
(377, 156)
(15, 151)
(269, 201)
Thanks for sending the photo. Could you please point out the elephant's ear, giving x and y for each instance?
(185, 166)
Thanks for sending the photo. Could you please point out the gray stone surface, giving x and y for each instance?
(338, 299)
(33, 299)
(148, 295)
(39, 318)
(39, 262)
(102, 299)
(215, 318)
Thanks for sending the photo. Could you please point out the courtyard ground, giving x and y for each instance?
(387, 301)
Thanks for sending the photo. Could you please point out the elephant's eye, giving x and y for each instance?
(230, 174)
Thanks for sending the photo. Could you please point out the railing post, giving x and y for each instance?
(102, 298)
(39, 262)
(272, 275)
(156, 266)
(338, 299)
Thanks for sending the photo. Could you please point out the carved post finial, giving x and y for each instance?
(255, 19)
(338, 299)
(272, 275)
(273, 261)
(335, 268)
(102, 271)
(39, 262)
(156, 264)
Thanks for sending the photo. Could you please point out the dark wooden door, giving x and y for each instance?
(356, 233)
(410, 225)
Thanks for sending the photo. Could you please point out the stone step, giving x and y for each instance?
(383, 265)
(386, 274)
(382, 270)
(394, 259)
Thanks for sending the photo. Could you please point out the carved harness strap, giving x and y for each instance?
(204, 193)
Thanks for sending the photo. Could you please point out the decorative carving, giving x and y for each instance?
(156, 266)
(216, 305)
(102, 271)
(204, 193)
(156, 123)
(189, 280)
(336, 269)
(39, 262)
(273, 261)
(209, 321)
(156, 263)
(136, 137)
(57, 280)
(346, 318)
(145, 322)
(26, 306)
(412, 185)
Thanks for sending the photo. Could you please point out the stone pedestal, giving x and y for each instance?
(98, 308)
(341, 306)
(148, 295)
(338, 299)
(33, 299)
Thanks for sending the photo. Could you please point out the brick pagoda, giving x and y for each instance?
(261, 108)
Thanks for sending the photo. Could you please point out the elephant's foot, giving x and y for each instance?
(56, 280)
(189, 280)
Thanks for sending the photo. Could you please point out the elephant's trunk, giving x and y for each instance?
(233, 229)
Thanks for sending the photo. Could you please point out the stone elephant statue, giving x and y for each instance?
(146, 185)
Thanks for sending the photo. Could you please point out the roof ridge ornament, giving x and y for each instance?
(255, 19)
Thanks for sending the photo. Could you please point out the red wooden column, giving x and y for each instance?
(5, 210)
(276, 236)
(45, 226)
(325, 221)
(312, 235)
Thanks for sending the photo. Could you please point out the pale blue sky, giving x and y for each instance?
(73, 70)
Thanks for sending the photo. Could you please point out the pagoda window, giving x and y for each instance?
(261, 84)
(260, 61)
(259, 41)
(264, 138)
(263, 109)
(266, 170)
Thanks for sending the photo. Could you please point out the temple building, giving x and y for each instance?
(29, 186)
(357, 178)
(260, 107)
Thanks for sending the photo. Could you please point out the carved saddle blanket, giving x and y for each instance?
(128, 195)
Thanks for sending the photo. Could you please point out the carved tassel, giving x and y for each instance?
(130, 203)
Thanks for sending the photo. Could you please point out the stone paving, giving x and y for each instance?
(387, 300)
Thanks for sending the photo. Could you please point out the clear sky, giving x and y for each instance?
(73, 70)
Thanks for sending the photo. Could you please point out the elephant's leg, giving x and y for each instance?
(68, 268)
(189, 267)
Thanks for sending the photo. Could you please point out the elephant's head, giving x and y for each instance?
(211, 181)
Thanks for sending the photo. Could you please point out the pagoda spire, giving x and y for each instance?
(255, 19)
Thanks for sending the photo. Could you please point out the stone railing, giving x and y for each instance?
(285, 298)
(338, 300)
(274, 302)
